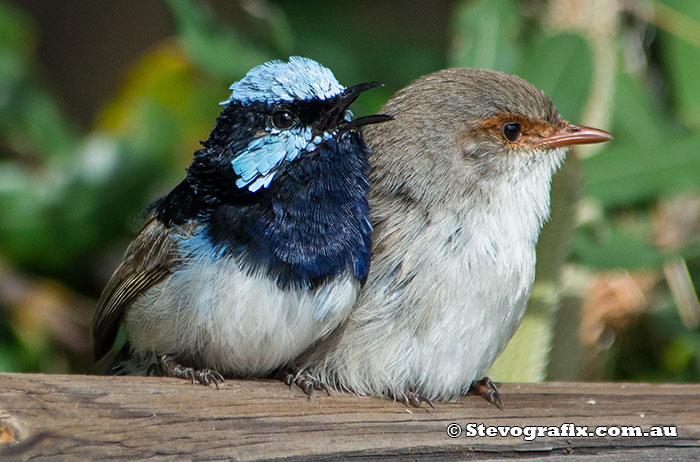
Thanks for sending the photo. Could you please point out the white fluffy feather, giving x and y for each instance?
(235, 323)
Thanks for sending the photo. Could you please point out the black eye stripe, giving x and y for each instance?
(512, 131)
(306, 112)
(310, 111)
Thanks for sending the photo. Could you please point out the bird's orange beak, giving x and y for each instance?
(575, 134)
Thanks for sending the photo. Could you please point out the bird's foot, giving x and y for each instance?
(411, 398)
(487, 390)
(306, 382)
(171, 368)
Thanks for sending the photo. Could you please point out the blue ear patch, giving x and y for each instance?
(277, 81)
(256, 164)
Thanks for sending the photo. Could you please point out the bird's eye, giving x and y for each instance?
(512, 131)
(283, 119)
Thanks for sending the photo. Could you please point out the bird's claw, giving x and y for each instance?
(208, 376)
(171, 368)
(306, 382)
(411, 398)
(487, 390)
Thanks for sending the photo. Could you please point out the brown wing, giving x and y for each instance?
(147, 261)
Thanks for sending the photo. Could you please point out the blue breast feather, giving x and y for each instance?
(309, 226)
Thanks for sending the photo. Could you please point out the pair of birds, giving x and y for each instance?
(258, 262)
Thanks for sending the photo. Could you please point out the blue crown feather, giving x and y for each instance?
(277, 81)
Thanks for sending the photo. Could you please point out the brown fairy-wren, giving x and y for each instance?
(460, 188)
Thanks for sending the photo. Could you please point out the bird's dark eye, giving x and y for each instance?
(283, 119)
(512, 131)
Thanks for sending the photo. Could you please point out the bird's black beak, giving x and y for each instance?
(336, 116)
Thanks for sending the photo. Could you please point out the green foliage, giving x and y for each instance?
(630, 173)
(653, 155)
(560, 65)
(681, 60)
(487, 34)
(614, 248)
(216, 47)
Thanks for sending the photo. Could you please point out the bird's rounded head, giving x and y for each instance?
(279, 113)
(462, 130)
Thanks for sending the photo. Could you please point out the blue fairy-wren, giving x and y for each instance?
(262, 249)
(460, 190)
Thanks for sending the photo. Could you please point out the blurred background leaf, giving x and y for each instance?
(99, 120)
(486, 34)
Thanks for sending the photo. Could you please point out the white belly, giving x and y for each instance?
(470, 329)
(437, 323)
(233, 322)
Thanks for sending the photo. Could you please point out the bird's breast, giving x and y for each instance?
(308, 227)
(216, 314)
(446, 292)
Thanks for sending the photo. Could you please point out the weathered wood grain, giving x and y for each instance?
(61, 417)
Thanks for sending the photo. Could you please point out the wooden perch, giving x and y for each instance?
(70, 417)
